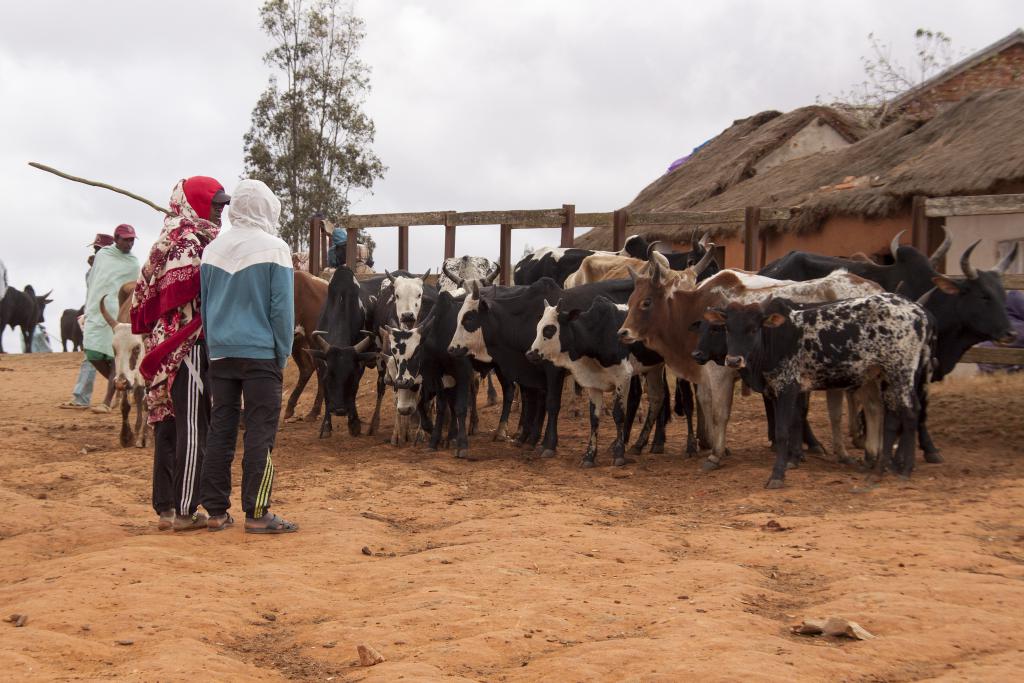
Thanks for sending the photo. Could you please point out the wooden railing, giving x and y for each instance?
(940, 208)
(565, 218)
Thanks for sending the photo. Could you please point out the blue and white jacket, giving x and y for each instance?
(247, 281)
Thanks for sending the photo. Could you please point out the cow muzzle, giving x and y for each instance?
(408, 319)
(626, 337)
(122, 384)
(457, 351)
(700, 357)
(534, 356)
(1007, 338)
(406, 410)
(735, 362)
(405, 384)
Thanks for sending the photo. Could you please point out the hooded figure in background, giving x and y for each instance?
(249, 319)
(166, 311)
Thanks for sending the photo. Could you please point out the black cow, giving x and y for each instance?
(586, 343)
(966, 312)
(345, 347)
(22, 309)
(70, 330)
(844, 344)
(498, 325)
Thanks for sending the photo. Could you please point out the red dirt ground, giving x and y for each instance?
(510, 568)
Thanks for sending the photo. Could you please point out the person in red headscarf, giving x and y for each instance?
(166, 311)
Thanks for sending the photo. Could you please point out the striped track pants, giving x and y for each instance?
(191, 396)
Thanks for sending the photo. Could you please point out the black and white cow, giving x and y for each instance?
(22, 309)
(784, 351)
(586, 344)
(455, 272)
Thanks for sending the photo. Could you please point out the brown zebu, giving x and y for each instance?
(128, 352)
(310, 294)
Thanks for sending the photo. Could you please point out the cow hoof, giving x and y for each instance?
(815, 449)
(657, 449)
(774, 484)
(846, 460)
(792, 464)
(637, 450)
(462, 453)
(354, 429)
(620, 461)
(933, 457)
(709, 465)
(587, 464)
(858, 441)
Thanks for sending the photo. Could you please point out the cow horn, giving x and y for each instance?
(633, 275)
(318, 335)
(106, 316)
(704, 241)
(1008, 259)
(947, 242)
(652, 248)
(47, 295)
(389, 276)
(459, 282)
(965, 262)
(923, 299)
(426, 274)
(662, 260)
(693, 239)
(895, 244)
(494, 274)
(363, 344)
(705, 260)
(901, 289)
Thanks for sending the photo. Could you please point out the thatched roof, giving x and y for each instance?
(974, 147)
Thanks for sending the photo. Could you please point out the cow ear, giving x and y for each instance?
(483, 306)
(946, 285)
(714, 316)
(317, 354)
(573, 314)
(774, 320)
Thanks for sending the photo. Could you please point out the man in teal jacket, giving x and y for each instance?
(248, 316)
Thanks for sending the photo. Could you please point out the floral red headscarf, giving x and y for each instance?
(165, 307)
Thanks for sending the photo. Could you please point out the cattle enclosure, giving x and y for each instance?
(928, 219)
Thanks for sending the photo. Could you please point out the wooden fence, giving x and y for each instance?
(565, 218)
(928, 214)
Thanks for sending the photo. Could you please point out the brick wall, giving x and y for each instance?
(1002, 70)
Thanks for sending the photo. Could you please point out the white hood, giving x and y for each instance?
(254, 206)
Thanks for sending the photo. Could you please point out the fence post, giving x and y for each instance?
(505, 255)
(751, 220)
(449, 237)
(315, 235)
(568, 225)
(619, 218)
(918, 224)
(350, 248)
(403, 247)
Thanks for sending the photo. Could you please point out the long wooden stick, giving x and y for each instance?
(95, 183)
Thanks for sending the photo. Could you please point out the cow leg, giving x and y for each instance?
(655, 399)
(326, 427)
(685, 407)
(507, 392)
(439, 422)
(834, 398)
(931, 453)
(723, 382)
(467, 383)
(704, 427)
(553, 404)
(534, 418)
(596, 403)
(126, 430)
(140, 426)
(786, 413)
(874, 419)
(769, 414)
(813, 445)
(474, 393)
(633, 396)
(618, 414)
(355, 426)
(492, 395)
(381, 388)
(525, 400)
(855, 417)
(658, 444)
(909, 421)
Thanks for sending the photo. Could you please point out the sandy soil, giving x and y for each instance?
(509, 568)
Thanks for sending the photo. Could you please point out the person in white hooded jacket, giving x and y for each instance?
(248, 321)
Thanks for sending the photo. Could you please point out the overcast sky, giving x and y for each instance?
(478, 105)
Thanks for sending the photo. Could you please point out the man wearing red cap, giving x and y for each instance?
(166, 311)
(112, 267)
(81, 395)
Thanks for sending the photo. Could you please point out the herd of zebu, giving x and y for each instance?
(872, 336)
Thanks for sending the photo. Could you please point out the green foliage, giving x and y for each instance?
(309, 139)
